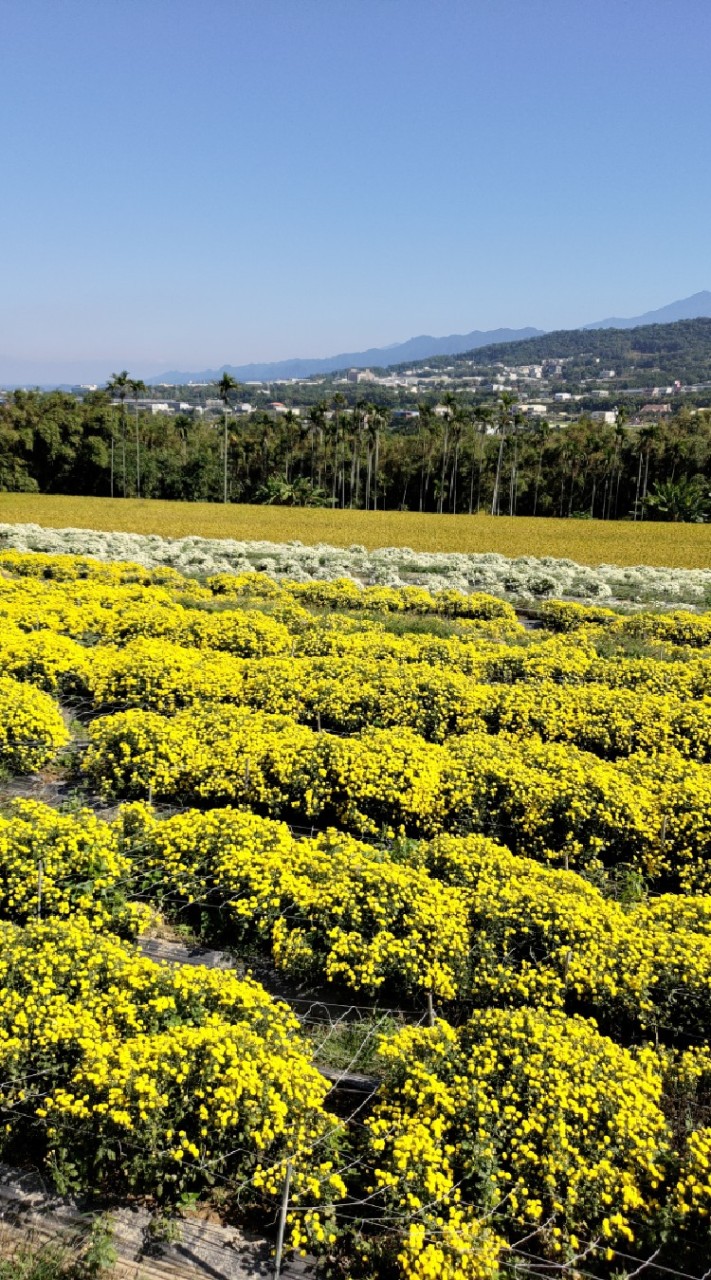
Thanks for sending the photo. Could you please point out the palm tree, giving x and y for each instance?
(371, 445)
(518, 422)
(428, 430)
(449, 401)
(382, 421)
(291, 424)
(119, 385)
(503, 417)
(480, 423)
(649, 436)
(137, 388)
(456, 427)
(357, 424)
(317, 418)
(339, 403)
(542, 432)
(225, 386)
(620, 421)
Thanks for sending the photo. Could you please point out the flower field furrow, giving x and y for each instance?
(460, 917)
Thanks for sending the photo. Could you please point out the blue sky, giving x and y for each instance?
(187, 183)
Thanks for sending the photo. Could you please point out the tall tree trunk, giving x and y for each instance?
(570, 491)
(638, 487)
(353, 467)
(445, 447)
(123, 447)
(225, 452)
(646, 482)
(138, 458)
(512, 481)
(334, 477)
(369, 466)
(497, 475)
(453, 486)
(537, 485)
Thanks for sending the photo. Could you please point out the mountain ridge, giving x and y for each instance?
(695, 307)
(424, 347)
(15, 372)
(418, 348)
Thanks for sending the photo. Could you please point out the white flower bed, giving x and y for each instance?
(524, 579)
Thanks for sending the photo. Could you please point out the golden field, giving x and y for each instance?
(593, 542)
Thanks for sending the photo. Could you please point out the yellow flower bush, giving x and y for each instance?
(31, 727)
(119, 1073)
(64, 865)
(532, 1117)
(47, 659)
(328, 908)
(515, 822)
(462, 917)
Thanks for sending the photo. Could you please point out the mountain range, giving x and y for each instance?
(699, 304)
(414, 350)
(375, 357)
(421, 348)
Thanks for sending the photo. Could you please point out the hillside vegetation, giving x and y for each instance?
(683, 349)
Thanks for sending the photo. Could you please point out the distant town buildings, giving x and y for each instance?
(654, 410)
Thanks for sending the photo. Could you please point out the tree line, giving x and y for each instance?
(454, 457)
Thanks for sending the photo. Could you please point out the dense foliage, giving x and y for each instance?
(680, 350)
(470, 457)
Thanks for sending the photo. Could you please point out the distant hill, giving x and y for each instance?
(699, 304)
(375, 357)
(647, 355)
(425, 347)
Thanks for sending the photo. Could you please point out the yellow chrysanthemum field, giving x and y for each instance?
(485, 835)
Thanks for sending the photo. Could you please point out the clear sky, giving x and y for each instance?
(192, 182)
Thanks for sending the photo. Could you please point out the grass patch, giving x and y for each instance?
(351, 1046)
(590, 542)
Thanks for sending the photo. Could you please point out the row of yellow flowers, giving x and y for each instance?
(548, 800)
(31, 727)
(342, 593)
(463, 918)
(521, 1121)
(678, 627)
(492, 651)
(537, 1125)
(345, 695)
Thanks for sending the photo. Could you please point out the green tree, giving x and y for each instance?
(225, 387)
(503, 418)
(681, 501)
(119, 385)
(138, 388)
